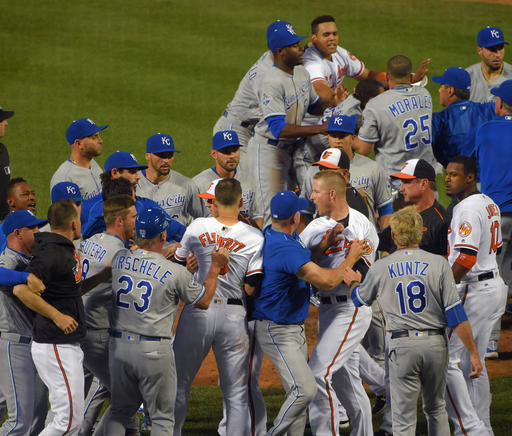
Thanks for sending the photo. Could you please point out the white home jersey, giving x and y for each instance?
(87, 179)
(243, 242)
(399, 122)
(476, 225)
(176, 195)
(147, 289)
(359, 227)
(96, 253)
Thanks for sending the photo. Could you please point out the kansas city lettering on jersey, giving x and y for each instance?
(173, 200)
(211, 238)
(92, 249)
(400, 269)
(291, 99)
(407, 104)
(360, 182)
(143, 266)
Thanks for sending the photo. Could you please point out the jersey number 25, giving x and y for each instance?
(412, 137)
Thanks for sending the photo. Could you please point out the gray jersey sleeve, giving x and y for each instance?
(189, 291)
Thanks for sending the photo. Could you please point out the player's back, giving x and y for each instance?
(399, 122)
(245, 103)
(146, 290)
(243, 242)
(96, 253)
(476, 226)
(413, 284)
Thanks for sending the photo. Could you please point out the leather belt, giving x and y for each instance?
(234, 301)
(416, 333)
(15, 337)
(134, 337)
(272, 141)
(245, 124)
(328, 300)
(486, 276)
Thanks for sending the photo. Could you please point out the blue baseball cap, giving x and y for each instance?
(281, 34)
(342, 123)
(160, 143)
(150, 223)
(285, 203)
(454, 76)
(66, 191)
(20, 218)
(81, 128)
(225, 138)
(490, 36)
(122, 160)
(504, 91)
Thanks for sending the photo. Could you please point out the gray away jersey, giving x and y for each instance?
(245, 105)
(414, 288)
(399, 122)
(87, 179)
(147, 289)
(15, 317)
(176, 195)
(96, 253)
(280, 93)
(252, 206)
(480, 87)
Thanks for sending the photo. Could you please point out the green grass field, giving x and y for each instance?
(172, 66)
(167, 66)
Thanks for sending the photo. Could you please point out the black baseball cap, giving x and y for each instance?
(416, 169)
(5, 114)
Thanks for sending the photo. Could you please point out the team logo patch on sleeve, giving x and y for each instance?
(266, 100)
(464, 229)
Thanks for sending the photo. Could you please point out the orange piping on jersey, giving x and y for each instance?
(456, 412)
(360, 70)
(471, 247)
(254, 271)
(67, 388)
(439, 213)
(316, 79)
(181, 259)
(334, 424)
(249, 385)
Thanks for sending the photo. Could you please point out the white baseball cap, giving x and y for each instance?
(334, 158)
(416, 169)
(210, 192)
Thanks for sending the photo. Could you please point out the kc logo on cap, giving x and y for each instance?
(227, 135)
(290, 29)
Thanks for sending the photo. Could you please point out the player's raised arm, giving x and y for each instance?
(220, 259)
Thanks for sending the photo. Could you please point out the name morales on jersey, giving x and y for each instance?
(135, 264)
(400, 269)
(93, 250)
(211, 238)
(410, 103)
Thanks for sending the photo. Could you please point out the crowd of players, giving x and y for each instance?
(99, 290)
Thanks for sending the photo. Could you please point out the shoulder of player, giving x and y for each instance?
(507, 70)
(9, 259)
(204, 178)
(311, 55)
(357, 219)
(319, 224)
(472, 69)
(436, 212)
(178, 178)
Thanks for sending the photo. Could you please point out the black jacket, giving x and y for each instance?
(56, 262)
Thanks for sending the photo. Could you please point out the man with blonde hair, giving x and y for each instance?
(417, 293)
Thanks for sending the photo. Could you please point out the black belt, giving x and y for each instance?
(290, 323)
(242, 123)
(235, 301)
(272, 141)
(406, 333)
(15, 337)
(485, 276)
(339, 299)
(116, 334)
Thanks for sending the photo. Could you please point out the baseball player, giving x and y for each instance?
(23, 390)
(223, 326)
(85, 140)
(397, 122)
(341, 326)
(20, 195)
(284, 94)
(418, 297)
(492, 71)
(59, 322)
(243, 112)
(283, 304)
(366, 175)
(147, 290)
(493, 145)
(96, 253)
(226, 151)
(417, 181)
(454, 128)
(173, 192)
(5, 168)
(474, 239)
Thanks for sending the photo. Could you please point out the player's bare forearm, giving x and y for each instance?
(459, 271)
(384, 221)
(93, 281)
(362, 147)
(464, 332)
(35, 284)
(421, 71)
(296, 131)
(332, 237)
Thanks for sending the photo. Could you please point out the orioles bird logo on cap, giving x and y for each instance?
(326, 154)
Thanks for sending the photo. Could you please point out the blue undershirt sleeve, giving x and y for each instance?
(387, 209)
(10, 277)
(455, 315)
(276, 124)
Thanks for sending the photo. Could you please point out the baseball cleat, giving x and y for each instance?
(492, 350)
(380, 403)
(344, 424)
